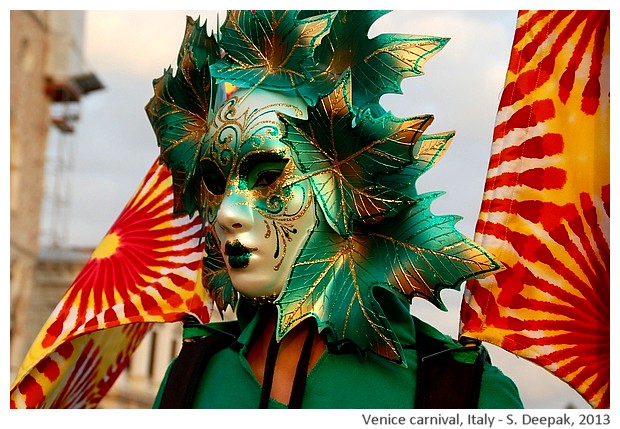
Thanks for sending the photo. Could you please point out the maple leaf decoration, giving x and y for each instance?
(345, 162)
(411, 254)
(378, 65)
(270, 48)
(179, 110)
(375, 231)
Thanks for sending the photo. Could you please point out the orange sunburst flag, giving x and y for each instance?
(545, 211)
(145, 270)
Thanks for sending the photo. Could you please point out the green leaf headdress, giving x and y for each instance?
(375, 230)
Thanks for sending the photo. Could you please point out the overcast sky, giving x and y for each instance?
(114, 144)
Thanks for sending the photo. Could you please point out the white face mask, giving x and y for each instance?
(260, 207)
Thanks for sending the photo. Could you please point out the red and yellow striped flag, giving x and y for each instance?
(545, 212)
(146, 269)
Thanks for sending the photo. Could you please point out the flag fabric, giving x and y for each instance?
(545, 210)
(146, 269)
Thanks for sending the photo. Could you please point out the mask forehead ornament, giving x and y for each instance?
(337, 173)
(243, 134)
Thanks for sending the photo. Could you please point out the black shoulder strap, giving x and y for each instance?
(185, 374)
(444, 382)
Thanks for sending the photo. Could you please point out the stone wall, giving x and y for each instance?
(29, 116)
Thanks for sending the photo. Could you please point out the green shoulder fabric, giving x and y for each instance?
(195, 330)
(498, 391)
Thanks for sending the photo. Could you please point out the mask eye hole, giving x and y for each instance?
(212, 178)
(262, 169)
(265, 174)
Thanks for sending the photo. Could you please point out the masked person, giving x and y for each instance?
(313, 229)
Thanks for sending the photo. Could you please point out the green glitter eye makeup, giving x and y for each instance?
(262, 169)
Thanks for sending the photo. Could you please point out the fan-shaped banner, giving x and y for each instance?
(545, 212)
(146, 269)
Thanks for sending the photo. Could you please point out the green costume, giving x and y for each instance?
(306, 188)
(339, 380)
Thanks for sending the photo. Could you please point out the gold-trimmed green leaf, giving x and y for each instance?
(411, 254)
(179, 109)
(271, 48)
(431, 254)
(344, 154)
(388, 59)
(427, 151)
(378, 65)
(338, 51)
(330, 282)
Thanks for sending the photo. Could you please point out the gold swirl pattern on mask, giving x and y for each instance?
(230, 130)
(284, 227)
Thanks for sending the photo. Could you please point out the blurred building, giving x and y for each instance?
(29, 121)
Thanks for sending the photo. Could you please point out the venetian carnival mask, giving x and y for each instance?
(259, 205)
(305, 185)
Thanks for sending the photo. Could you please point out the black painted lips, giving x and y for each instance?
(238, 254)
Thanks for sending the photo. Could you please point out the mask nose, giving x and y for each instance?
(234, 214)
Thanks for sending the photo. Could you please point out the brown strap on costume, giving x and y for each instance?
(270, 367)
(188, 367)
(443, 382)
(301, 374)
(298, 388)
